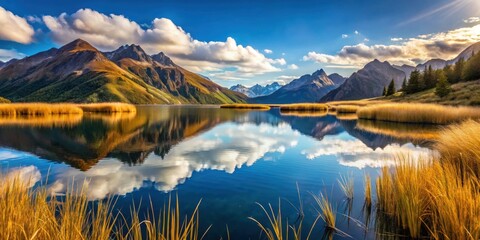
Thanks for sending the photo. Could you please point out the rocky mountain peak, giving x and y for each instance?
(131, 51)
(163, 59)
(77, 45)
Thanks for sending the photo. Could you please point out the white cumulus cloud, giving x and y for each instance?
(108, 32)
(267, 51)
(445, 45)
(292, 66)
(15, 28)
(472, 20)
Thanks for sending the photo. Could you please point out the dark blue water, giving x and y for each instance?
(228, 159)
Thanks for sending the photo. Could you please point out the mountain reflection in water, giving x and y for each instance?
(165, 145)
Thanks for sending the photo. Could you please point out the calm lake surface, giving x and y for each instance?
(229, 159)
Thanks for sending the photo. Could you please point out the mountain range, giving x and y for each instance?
(257, 90)
(307, 88)
(369, 81)
(78, 72)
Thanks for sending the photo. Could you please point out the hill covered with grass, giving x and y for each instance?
(463, 93)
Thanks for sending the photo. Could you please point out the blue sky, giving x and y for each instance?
(227, 40)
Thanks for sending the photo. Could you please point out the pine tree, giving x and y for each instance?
(428, 77)
(471, 70)
(458, 71)
(448, 70)
(384, 91)
(443, 86)
(404, 84)
(391, 88)
(413, 85)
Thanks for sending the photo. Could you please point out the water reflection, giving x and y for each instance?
(166, 145)
(229, 158)
(226, 148)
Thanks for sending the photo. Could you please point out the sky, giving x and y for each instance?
(249, 42)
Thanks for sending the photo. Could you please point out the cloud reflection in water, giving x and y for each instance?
(224, 148)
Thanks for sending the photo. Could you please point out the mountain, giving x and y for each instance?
(162, 73)
(438, 63)
(2, 64)
(256, 90)
(308, 88)
(467, 53)
(435, 63)
(407, 69)
(368, 82)
(78, 72)
(337, 78)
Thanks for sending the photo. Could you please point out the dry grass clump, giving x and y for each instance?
(304, 114)
(326, 212)
(346, 183)
(368, 192)
(438, 198)
(246, 106)
(360, 103)
(304, 107)
(108, 107)
(418, 113)
(413, 132)
(31, 214)
(347, 108)
(37, 109)
(277, 229)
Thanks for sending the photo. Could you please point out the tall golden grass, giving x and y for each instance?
(31, 214)
(418, 113)
(304, 114)
(326, 211)
(38, 109)
(438, 198)
(304, 107)
(347, 108)
(346, 183)
(362, 102)
(61, 114)
(108, 107)
(246, 106)
(277, 229)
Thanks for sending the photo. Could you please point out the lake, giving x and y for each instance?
(229, 159)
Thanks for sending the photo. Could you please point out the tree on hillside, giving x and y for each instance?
(443, 86)
(458, 71)
(448, 70)
(384, 91)
(404, 84)
(428, 77)
(471, 71)
(413, 85)
(391, 88)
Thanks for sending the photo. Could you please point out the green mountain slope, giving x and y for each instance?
(464, 93)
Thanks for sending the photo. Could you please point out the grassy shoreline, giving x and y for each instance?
(246, 106)
(418, 113)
